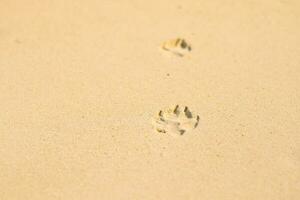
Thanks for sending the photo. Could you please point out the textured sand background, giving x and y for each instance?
(80, 80)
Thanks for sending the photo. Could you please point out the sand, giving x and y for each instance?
(80, 81)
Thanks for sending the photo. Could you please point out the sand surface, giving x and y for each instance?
(80, 81)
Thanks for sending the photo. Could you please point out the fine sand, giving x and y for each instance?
(81, 80)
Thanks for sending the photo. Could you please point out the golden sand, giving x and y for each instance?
(81, 80)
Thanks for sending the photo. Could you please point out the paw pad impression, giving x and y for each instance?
(177, 46)
(176, 121)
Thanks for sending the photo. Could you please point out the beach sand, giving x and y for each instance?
(81, 80)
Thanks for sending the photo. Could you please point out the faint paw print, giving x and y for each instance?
(177, 46)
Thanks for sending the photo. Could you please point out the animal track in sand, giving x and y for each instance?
(176, 121)
(176, 46)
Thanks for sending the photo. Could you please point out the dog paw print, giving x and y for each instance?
(176, 121)
(176, 46)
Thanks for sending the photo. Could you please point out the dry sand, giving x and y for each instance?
(80, 81)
